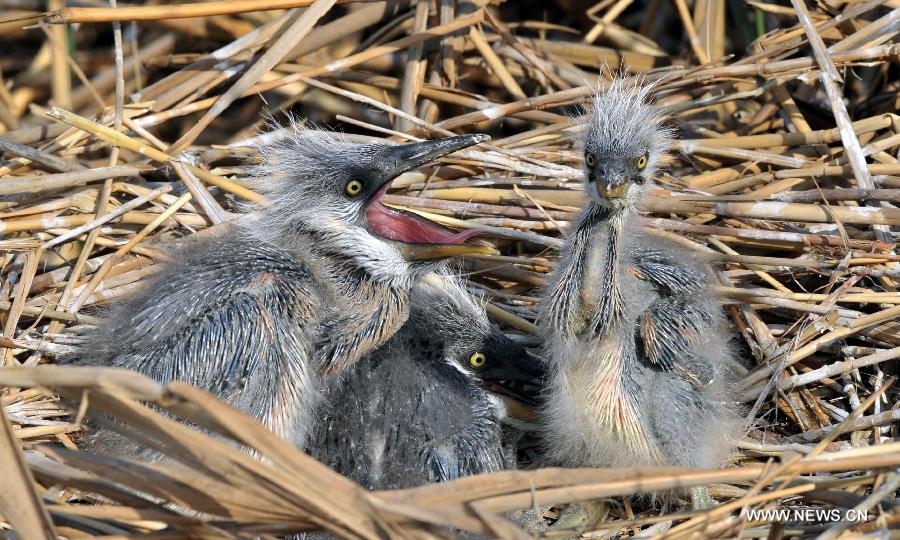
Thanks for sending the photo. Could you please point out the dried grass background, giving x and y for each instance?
(124, 127)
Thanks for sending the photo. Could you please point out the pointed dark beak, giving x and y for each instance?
(403, 157)
(519, 377)
(522, 367)
(534, 367)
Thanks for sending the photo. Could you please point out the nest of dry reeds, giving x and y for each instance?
(122, 128)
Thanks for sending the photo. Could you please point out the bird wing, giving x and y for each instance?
(234, 326)
(673, 327)
(667, 273)
(669, 334)
(401, 417)
(465, 439)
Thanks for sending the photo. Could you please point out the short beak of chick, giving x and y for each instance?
(612, 182)
(607, 191)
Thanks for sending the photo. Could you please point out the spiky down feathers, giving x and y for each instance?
(622, 125)
(408, 413)
(303, 176)
(606, 403)
(235, 320)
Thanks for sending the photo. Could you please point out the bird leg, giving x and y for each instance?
(532, 520)
(580, 516)
(701, 499)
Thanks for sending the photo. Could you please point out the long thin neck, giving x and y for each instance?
(360, 311)
(603, 267)
(586, 294)
(346, 336)
(367, 313)
(332, 248)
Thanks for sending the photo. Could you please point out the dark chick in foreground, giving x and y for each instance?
(296, 292)
(640, 372)
(417, 410)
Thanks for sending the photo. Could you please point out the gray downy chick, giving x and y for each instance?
(302, 289)
(417, 410)
(640, 369)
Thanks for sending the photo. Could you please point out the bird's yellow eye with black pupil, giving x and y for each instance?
(353, 188)
(589, 158)
(477, 360)
(641, 163)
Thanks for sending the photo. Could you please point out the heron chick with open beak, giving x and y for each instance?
(298, 292)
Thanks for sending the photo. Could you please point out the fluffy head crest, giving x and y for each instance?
(442, 306)
(304, 164)
(325, 196)
(624, 141)
(623, 123)
(303, 174)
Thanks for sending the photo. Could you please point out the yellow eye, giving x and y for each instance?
(641, 163)
(353, 188)
(477, 360)
(591, 161)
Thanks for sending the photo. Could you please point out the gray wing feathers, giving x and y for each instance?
(670, 279)
(423, 426)
(671, 331)
(216, 350)
(237, 334)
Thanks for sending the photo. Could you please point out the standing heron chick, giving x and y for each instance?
(418, 409)
(298, 292)
(640, 369)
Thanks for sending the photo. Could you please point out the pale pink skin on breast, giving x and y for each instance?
(596, 398)
(606, 428)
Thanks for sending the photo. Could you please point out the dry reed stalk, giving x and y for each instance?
(31, 518)
(289, 38)
(71, 15)
(122, 251)
(785, 176)
(109, 216)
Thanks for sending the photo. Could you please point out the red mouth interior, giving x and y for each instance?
(408, 227)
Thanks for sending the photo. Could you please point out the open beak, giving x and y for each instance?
(404, 157)
(517, 410)
(520, 381)
(424, 252)
(418, 238)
